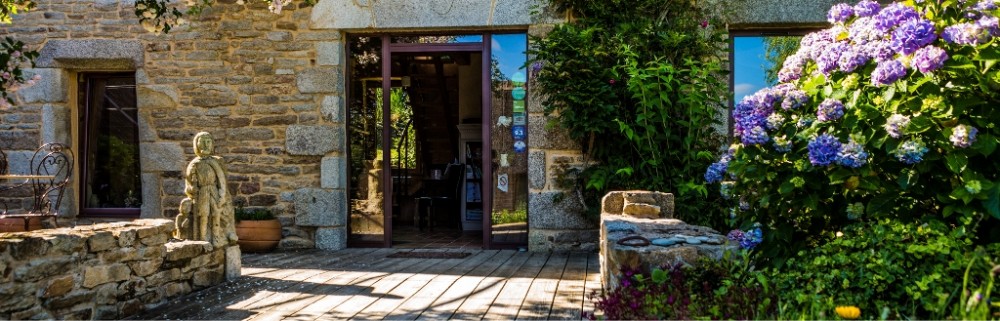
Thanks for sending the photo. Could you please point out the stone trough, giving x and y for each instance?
(638, 231)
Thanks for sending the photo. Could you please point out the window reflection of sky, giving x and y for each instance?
(508, 50)
(748, 66)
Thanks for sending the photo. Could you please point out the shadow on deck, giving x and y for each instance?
(366, 284)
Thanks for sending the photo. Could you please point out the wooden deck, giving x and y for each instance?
(365, 284)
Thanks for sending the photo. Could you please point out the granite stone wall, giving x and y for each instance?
(104, 271)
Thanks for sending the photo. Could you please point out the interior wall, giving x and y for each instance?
(470, 92)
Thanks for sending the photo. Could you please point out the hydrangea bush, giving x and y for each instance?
(889, 113)
(13, 56)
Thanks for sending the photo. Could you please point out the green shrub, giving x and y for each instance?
(255, 214)
(639, 84)
(913, 269)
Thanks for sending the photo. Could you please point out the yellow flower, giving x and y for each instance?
(848, 312)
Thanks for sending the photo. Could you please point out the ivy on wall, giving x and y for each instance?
(641, 84)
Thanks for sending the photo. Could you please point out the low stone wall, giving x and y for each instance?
(638, 231)
(104, 271)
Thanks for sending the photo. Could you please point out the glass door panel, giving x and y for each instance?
(365, 117)
(509, 215)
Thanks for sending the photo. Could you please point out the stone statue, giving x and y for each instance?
(207, 212)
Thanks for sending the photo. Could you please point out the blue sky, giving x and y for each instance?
(748, 66)
(509, 51)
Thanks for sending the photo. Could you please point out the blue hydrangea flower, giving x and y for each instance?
(866, 8)
(716, 172)
(804, 121)
(756, 136)
(840, 13)
(985, 6)
(895, 125)
(962, 136)
(752, 238)
(929, 59)
(782, 144)
(744, 205)
(894, 15)
(964, 34)
(852, 59)
(912, 35)
(830, 110)
(794, 99)
(888, 72)
(852, 155)
(911, 151)
(823, 150)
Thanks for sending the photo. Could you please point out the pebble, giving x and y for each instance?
(664, 242)
(693, 241)
(620, 226)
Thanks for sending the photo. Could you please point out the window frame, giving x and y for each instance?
(733, 34)
(83, 104)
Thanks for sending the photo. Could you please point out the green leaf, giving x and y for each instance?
(992, 204)
(660, 276)
(985, 144)
(957, 162)
(919, 125)
(907, 178)
(889, 93)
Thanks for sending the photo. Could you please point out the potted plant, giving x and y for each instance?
(258, 230)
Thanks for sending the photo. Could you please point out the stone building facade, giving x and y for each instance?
(271, 90)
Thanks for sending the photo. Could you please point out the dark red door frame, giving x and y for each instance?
(388, 48)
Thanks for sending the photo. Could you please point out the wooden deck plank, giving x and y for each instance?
(478, 303)
(568, 302)
(509, 300)
(262, 284)
(412, 307)
(380, 288)
(321, 286)
(592, 282)
(451, 299)
(394, 298)
(538, 301)
(301, 271)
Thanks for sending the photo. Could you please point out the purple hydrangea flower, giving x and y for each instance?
(755, 136)
(985, 6)
(912, 35)
(964, 34)
(862, 31)
(716, 172)
(895, 125)
(894, 15)
(888, 72)
(840, 13)
(830, 110)
(879, 51)
(866, 8)
(963, 136)
(911, 151)
(775, 121)
(852, 59)
(823, 150)
(828, 60)
(791, 70)
(852, 155)
(991, 24)
(794, 99)
(735, 235)
(929, 59)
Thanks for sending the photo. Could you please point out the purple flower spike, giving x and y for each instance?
(929, 59)
(866, 8)
(823, 150)
(830, 110)
(888, 72)
(912, 35)
(840, 13)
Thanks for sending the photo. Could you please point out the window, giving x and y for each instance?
(109, 142)
(757, 58)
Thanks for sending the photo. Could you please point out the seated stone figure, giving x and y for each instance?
(207, 212)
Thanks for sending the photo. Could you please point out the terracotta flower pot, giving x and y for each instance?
(258, 236)
(16, 224)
